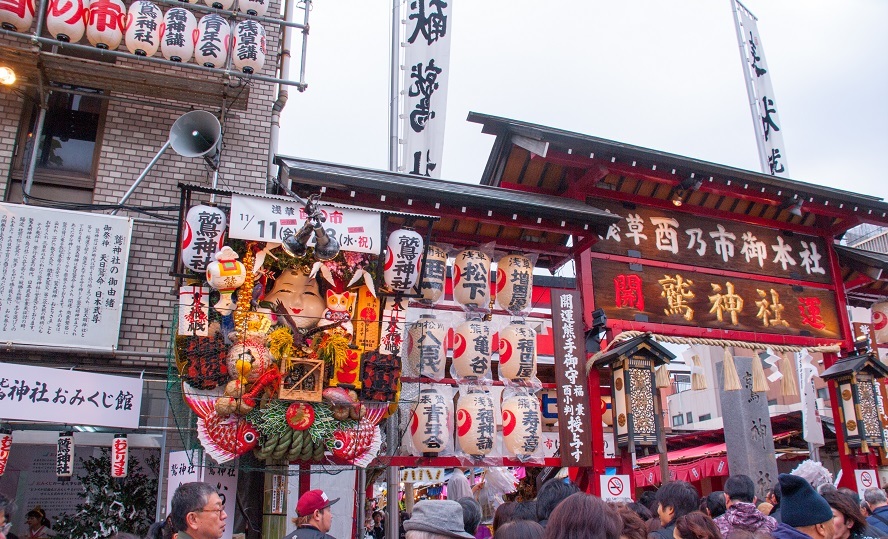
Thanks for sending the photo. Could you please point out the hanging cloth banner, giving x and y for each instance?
(812, 431)
(768, 126)
(424, 89)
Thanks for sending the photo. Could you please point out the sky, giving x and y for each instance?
(660, 74)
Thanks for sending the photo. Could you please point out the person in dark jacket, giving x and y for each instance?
(674, 499)
(878, 505)
(314, 516)
(741, 511)
(806, 514)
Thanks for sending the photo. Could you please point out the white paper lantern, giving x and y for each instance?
(219, 4)
(403, 260)
(257, 8)
(475, 424)
(471, 280)
(517, 352)
(17, 15)
(143, 24)
(434, 275)
(119, 456)
(65, 456)
(202, 236)
(431, 423)
(226, 275)
(471, 350)
(66, 19)
(521, 425)
(514, 283)
(426, 347)
(104, 27)
(179, 35)
(880, 322)
(249, 46)
(5, 449)
(213, 39)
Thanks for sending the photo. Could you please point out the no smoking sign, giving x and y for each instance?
(615, 487)
(865, 479)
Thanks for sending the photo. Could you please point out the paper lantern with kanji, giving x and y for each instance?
(104, 27)
(475, 424)
(65, 456)
(434, 275)
(213, 40)
(471, 350)
(403, 260)
(880, 322)
(521, 425)
(256, 8)
(66, 19)
(219, 4)
(17, 15)
(119, 456)
(517, 352)
(426, 347)
(471, 279)
(431, 422)
(202, 233)
(249, 46)
(179, 35)
(514, 284)
(5, 448)
(143, 24)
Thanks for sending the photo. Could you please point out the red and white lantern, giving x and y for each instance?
(104, 27)
(434, 275)
(202, 234)
(144, 22)
(257, 8)
(514, 284)
(249, 47)
(471, 350)
(431, 423)
(119, 456)
(403, 260)
(178, 35)
(880, 322)
(219, 4)
(521, 425)
(65, 456)
(16, 15)
(427, 347)
(471, 280)
(5, 449)
(475, 424)
(213, 37)
(517, 352)
(66, 19)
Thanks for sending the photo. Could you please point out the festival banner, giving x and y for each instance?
(812, 430)
(424, 90)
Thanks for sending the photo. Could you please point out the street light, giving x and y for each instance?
(7, 75)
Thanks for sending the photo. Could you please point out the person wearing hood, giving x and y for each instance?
(806, 514)
(741, 511)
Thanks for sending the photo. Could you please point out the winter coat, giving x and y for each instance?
(744, 516)
(785, 531)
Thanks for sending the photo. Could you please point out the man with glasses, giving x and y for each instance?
(314, 516)
(197, 512)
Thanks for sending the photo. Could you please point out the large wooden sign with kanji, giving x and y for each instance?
(645, 293)
(680, 238)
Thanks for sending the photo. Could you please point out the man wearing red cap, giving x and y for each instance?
(314, 517)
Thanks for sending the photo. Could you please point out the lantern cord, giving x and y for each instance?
(626, 335)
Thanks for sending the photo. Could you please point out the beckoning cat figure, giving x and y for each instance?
(337, 311)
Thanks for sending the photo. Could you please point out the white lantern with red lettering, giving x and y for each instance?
(16, 15)
(119, 456)
(65, 456)
(257, 8)
(202, 235)
(471, 279)
(514, 284)
(517, 352)
(433, 275)
(880, 322)
(66, 19)
(249, 46)
(403, 260)
(475, 424)
(426, 347)
(178, 35)
(431, 422)
(219, 4)
(5, 448)
(142, 29)
(521, 425)
(104, 27)
(471, 350)
(213, 40)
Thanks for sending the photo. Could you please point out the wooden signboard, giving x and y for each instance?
(303, 381)
(655, 234)
(688, 298)
(574, 417)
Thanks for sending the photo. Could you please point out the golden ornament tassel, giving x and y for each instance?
(732, 379)
(759, 382)
(662, 376)
(788, 383)
(698, 378)
(245, 293)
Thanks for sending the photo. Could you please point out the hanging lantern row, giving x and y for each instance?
(5, 447)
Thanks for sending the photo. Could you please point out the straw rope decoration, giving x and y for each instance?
(698, 378)
(732, 379)
(759, 382)
(662, 376)
(788, 383)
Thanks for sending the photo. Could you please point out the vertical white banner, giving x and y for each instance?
(812, 431)
(768, 126)
(224, 480)
(424, 90)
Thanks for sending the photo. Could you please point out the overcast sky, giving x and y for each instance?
(661, 74)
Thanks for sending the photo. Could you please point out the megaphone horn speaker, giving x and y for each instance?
(196, 134)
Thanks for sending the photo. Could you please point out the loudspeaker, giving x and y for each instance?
(196, 134)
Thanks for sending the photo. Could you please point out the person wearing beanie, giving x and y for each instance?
(805, 513)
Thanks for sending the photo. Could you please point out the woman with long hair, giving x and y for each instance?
(847, 520)
(696, 525)
(573, 518)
